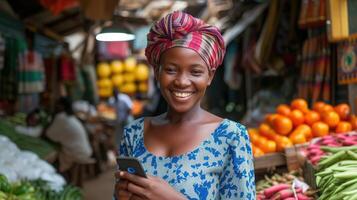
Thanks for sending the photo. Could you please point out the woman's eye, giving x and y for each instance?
(196, 73)
(170, 70)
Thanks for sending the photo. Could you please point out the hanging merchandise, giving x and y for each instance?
(347, 62)
(315, 78)
(57, 6)
(67, 68)
(266, 39)
(31, 74)
(312, 13)
(8, 79)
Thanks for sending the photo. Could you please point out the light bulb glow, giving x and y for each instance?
(110, 37)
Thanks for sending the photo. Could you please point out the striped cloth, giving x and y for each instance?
(31, 75)
(179, 29)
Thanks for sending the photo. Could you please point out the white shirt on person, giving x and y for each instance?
(71, 134)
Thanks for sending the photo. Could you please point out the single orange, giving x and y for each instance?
(306, 130)
(327, 108)
(297, 137)
(320, 129)
(312, 117)
(343, 127)
(270, 117)
(318, 106)
(270, 147)
(284, 142)
(282, 125)
(331, 118)
(257, 151)
(264, 129)
(343, 110)
(300, 104)
(283, 109)
(297, 117)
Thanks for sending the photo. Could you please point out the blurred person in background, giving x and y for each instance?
(122, 104)
(67, 130)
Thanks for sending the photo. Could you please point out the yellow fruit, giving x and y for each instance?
(116, 66)
(117, 80)
(129, 77)
(103, 70)
(105, 92)
(128, 88)
(130, 64)
(104, 83)
(143, 87)
(142, 72)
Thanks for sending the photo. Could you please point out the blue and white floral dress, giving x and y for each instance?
(220, 168)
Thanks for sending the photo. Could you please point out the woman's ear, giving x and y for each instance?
(210, 76)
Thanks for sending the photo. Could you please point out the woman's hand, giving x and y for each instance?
(151, 188)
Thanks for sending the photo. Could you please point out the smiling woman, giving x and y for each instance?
(186, 152)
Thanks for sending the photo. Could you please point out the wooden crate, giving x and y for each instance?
(309, 174)
(269, 161)
(294, 161)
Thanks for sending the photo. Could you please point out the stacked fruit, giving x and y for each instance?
(127, 76)
(297, 124)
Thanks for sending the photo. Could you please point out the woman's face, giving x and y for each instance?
(183, 77)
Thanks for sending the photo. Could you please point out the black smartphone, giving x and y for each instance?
(131, 165)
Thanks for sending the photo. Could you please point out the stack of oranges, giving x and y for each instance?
(297, 124)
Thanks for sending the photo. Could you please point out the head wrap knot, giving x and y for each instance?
(179, 29)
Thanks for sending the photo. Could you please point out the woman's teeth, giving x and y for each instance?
(182, 94)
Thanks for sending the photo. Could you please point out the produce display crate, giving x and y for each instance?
(309, 174)
(269, 161)
(293, 160)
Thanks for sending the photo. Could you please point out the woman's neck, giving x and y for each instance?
(190, 116)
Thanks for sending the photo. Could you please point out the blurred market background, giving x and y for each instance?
(289, 76)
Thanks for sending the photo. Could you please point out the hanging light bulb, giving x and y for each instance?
(115, 32)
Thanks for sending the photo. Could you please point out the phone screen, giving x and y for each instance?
(131, 165)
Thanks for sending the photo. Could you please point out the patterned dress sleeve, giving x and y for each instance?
(237, 180)
(125, 147)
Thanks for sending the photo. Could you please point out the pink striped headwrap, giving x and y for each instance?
(179, 29)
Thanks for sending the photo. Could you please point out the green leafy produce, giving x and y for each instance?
(39, 146)
(36, 190)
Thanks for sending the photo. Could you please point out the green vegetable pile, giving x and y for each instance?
(40, 147)
(35, 190)
(337, 174)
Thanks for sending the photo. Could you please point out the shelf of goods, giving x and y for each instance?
(276, 141)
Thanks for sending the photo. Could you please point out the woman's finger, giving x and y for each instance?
(137, 180)
(123, 194)
(122, 185)
(137, 190)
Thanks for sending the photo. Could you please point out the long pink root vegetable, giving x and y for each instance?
(283, 194)
(269, 192)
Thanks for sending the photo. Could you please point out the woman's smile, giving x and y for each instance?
(182, 95)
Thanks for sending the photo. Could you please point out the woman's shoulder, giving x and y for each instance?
(137, 124)
(232, 130)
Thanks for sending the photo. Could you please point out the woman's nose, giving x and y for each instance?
(182, 80)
